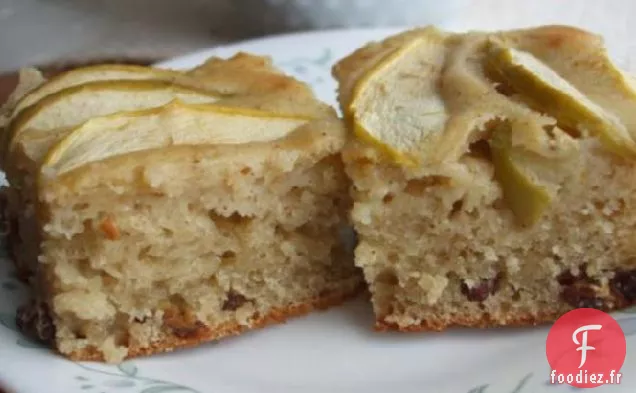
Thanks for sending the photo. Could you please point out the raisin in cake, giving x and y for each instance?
(492, 175)
(177, 209)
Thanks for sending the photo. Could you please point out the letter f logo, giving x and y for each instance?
(583, 344)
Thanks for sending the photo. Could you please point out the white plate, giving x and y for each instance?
(331, 352)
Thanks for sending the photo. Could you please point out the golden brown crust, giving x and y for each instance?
(555, 36)
(199, 333)
(245, 74)
(253, 82)
(483, 321)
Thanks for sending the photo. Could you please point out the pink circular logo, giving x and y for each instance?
(586, 348)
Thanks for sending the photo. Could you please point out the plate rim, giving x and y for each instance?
(265, 40)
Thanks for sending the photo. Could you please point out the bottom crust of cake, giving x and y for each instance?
(481, 322)
(199, 334)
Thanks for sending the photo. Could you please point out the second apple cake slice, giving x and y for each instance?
(493, 176)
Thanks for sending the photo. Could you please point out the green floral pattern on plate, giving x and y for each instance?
(315, 70)
(125, 375)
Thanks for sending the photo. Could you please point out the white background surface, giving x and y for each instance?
(39, 31)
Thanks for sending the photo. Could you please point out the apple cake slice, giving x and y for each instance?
(493, 176)
(168, 224)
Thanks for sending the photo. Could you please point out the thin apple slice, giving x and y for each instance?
(530, 180)
(75, 105)
(547, 91)
(396, 106)
(527, 199)
(173, 124)
(93, 74)
(582, 59)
